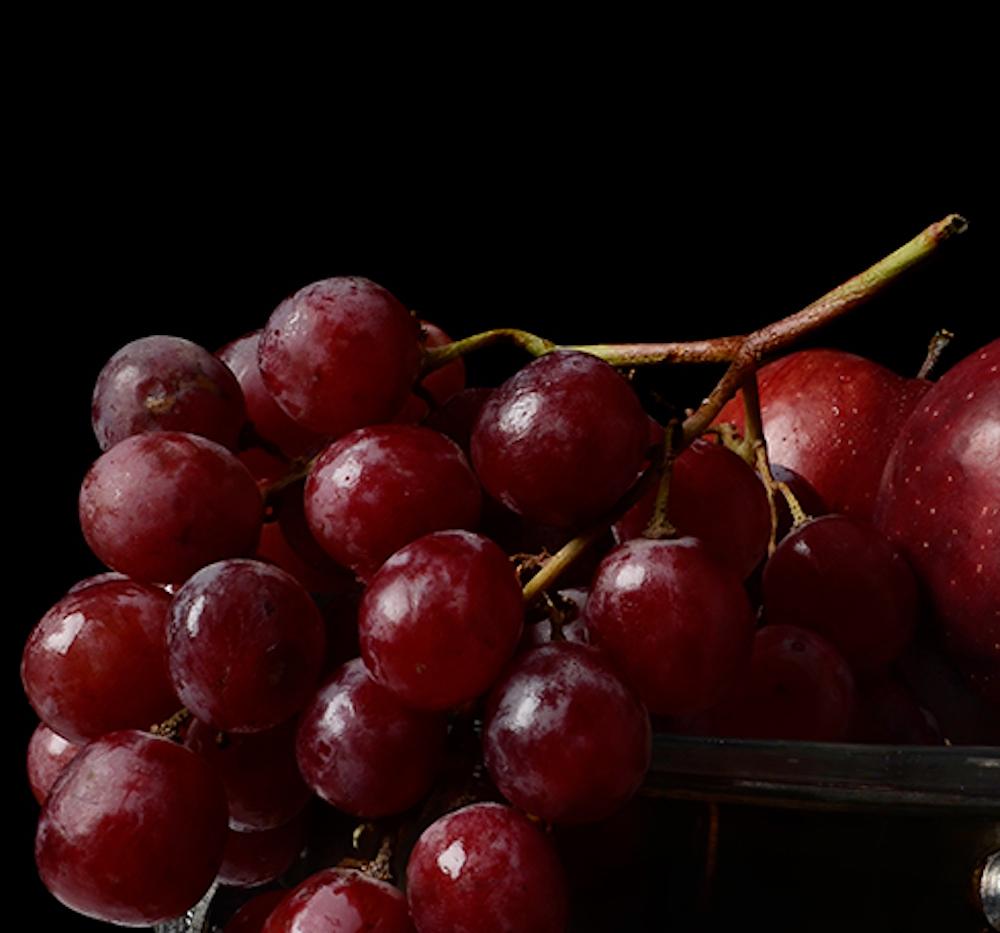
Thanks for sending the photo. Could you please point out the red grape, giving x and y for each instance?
(341, 900)
(382, 487)
(561, 440)
(160, 506)
(340, 354)
(263, 785)
(252, 916)
(96, 662)
(48, 755)
(841, 578)
(564, 738)
(365, 752)
(676, 622)
(715, 497)
(255, 858)
(269, 421)
(246, 645)
(440, 385)
(440, 619)
(486, 869)
(799, 687)
(133, 832)
(166, 384)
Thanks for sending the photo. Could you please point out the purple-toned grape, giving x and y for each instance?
(440, 619)
(888, 713)
(48, 755)
(262, 780)
(564, 738)
(340, 354)
(382, 487)
(363, 751)
(841, 578)
(255, 858)
(158, 507)
(799, 688)
(341, 900)
(486, 869)
(133, 833)
(166, 384)
(269, 421)
(715, 497)
(562, 440)
(676, 622)
(96, 662)
(245, 644)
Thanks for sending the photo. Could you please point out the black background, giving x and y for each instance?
(583, 226)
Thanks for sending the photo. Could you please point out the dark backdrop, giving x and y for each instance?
(115, 240)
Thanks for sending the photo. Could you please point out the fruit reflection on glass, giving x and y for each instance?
(320, 592)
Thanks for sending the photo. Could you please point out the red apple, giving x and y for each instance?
(832, 417)
(939, 503)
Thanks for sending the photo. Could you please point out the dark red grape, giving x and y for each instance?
(811, 502)
(440, 385)
(267, 418)
(166, 384)
(841, 578)
(561, 440)
(457, 417)
(440, 619)
(716, 497)
(134, 830)
(888, 713)
(246, 645)
(799, 688)
(48, 755)
(262, 780)
(340, 354)
(675, 621)
(486, 869)
(382, 487)
(365, 752)
(564, 738)
(255, 858)
(252, 916)
(160, 506)
(344, 901)
(96, 662)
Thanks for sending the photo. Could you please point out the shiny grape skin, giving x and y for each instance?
(440, 619)
(715, 497)
(255, 858)
(676, 623)
(158, 507)
(258, 770)
(269, 421)
(341, 900)
(564, 739)
(134, 830)
(363, 751)
(411, 481)
(162, 383)
(561, 440)
(245, 645)
(340, 354)
(48, 755)
(96, 661)
(799, 688)
(838, 576)
(486, 869)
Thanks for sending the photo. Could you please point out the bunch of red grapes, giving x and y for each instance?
(320, 559)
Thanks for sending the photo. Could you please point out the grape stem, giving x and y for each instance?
(744, 355)
(741, 352)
